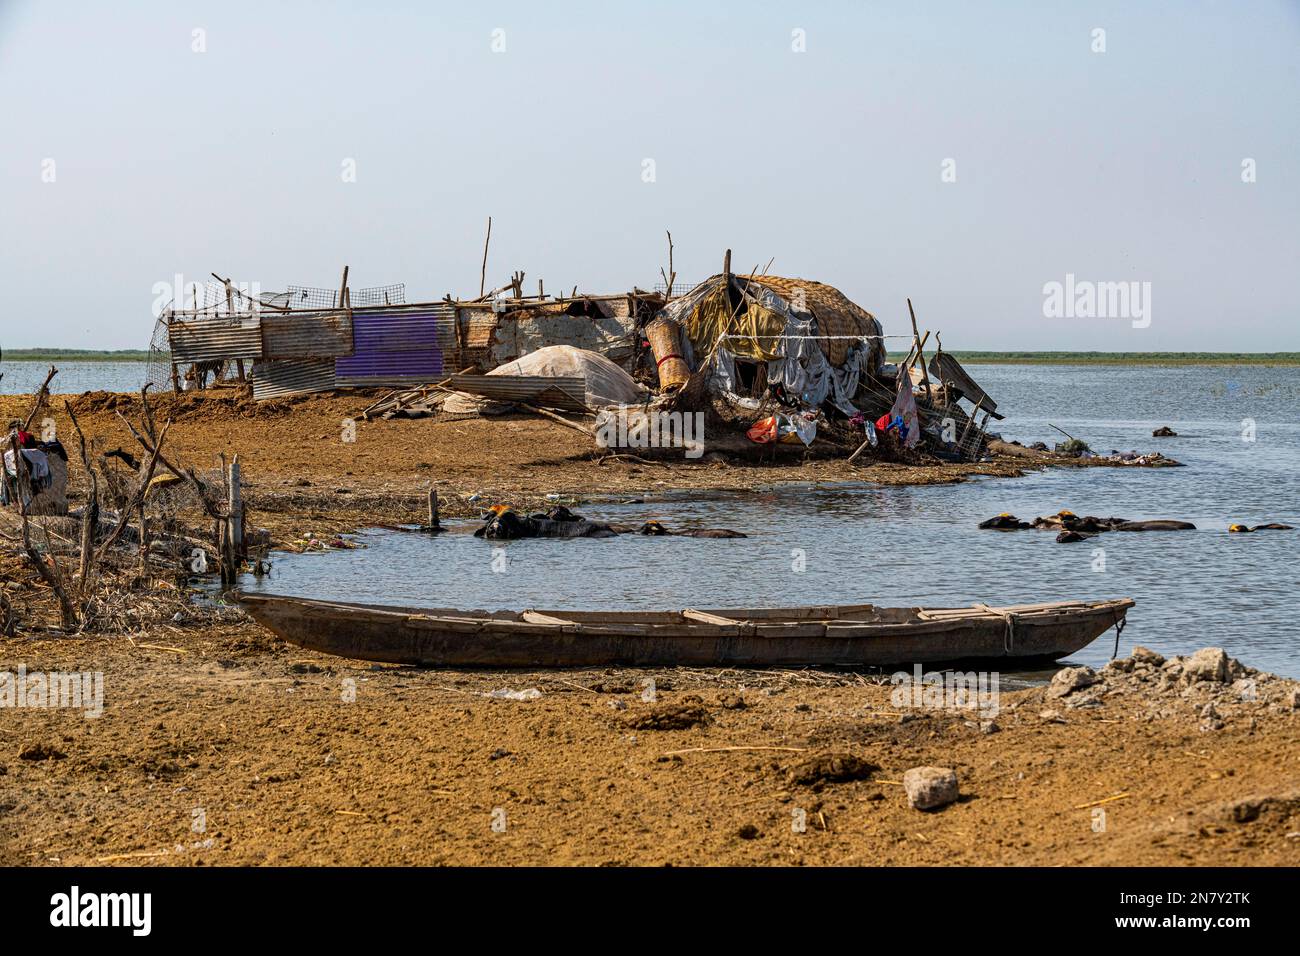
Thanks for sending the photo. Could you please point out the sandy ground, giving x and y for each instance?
(221, 746)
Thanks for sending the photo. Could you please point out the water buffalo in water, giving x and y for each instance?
(507, 524)
(1155, 526)
(1074, 528)
(658, 530)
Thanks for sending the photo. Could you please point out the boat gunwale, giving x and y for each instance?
(773, 622)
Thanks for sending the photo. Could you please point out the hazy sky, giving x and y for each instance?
(1123, 165)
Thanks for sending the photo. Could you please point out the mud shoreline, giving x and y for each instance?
(287, 757)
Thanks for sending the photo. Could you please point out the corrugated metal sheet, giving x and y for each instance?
(306, 335)
(210, 339)
(398, 346)
(519, 333)
(554, 391)
(272, 379)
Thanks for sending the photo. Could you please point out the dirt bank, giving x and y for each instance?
(240, 750)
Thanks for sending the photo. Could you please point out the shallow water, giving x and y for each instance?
(24, 377)
(918, 546)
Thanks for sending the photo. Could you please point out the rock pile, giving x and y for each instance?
(1208, 686)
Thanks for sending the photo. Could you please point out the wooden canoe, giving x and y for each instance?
(844, 635)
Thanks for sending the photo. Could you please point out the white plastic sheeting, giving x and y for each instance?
(803, 370)
(605, 383)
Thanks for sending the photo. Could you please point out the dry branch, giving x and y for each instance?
(49, 572)
(41, 394)
(136, 499)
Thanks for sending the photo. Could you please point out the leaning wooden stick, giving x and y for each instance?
(90, 511)
(920, 355)
(41, 394)
(482, 277)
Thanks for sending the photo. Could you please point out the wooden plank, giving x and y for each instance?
(704, 617)
(537, 617)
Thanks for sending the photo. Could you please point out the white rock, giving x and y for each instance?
(1148, 656)
(930, 787)
(1070, 679)
(1209, 663)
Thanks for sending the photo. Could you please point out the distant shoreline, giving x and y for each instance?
(74, 355)
(988, 358)
(1120, 358)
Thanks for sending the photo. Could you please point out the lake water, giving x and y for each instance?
(917, 546)
(24, 377)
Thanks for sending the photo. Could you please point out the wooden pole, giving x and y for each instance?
(969, 422)
(672, 272)
(90, 511)
(482, 276)
(144, 540)
(920, 356)
(984, 427)
(236, 509)
(860, 449)
(433, 509)
(1061, 430)
(671, 275)
(726, 267)
(49, 573)
(343, 287)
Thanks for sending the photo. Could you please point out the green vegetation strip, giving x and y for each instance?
(1003, 358)
(1120, 358)
(74, 355)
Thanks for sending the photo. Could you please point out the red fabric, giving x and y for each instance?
(763, 431)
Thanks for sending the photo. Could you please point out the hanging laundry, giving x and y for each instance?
(905, 409)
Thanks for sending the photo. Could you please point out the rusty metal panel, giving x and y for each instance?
(303, 335)
(520, 333)
(568, 391)
(208, 340)
(276, 378)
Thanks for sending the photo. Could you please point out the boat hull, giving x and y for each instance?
(856, 635)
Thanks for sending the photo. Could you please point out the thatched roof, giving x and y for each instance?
(835, 313)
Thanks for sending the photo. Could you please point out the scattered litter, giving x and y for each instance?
(532, 693)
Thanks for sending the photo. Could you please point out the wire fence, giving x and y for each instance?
(308, 297)
(679, 288)
(158, 371)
